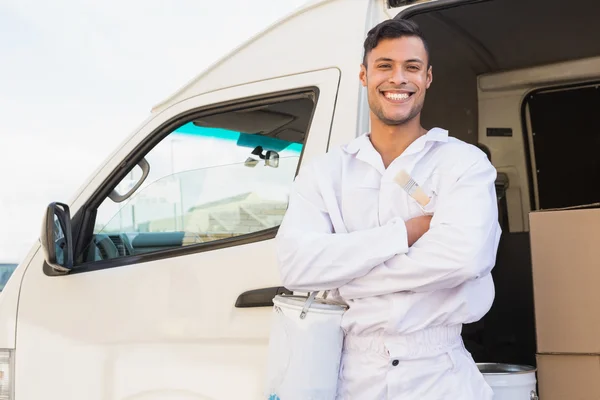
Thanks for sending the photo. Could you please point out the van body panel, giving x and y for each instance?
(167, 327)
(9, 301)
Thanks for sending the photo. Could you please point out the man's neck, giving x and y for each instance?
(391, 141)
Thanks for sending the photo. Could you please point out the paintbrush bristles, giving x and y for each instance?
(411, 187)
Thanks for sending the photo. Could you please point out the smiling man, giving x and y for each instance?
(413, 262)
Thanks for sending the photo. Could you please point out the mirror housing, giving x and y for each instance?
(56, 237)
(271, 158)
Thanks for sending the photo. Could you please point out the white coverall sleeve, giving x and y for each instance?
(314, 250)
(460, 245)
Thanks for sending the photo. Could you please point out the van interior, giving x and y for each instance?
(520, 79)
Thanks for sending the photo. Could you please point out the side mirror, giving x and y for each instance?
(56, 237)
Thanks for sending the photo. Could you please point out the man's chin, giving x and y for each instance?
(395, 120)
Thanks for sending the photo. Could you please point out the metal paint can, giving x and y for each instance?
(510, 381)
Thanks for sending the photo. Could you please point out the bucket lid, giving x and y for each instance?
(318, 303)
(504, 369)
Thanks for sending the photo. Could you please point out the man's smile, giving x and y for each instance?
(397, 96)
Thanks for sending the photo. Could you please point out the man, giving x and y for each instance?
(412, 274)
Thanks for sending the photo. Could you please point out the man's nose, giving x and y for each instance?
(398, 76)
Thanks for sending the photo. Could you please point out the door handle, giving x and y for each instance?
(260, 297)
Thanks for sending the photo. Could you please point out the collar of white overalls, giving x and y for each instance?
(364, 150)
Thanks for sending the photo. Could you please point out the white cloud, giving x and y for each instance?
(78, 75)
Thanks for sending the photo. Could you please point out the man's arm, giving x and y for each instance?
(314, 250)
(460, 245)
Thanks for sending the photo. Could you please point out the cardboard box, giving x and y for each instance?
(568, 377)
(565, 255)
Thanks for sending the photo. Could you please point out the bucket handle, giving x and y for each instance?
(308, 303)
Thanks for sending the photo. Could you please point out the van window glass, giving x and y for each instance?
(213, 178)
(566, 141)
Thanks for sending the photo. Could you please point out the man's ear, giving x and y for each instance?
(429, 76)
(363, 75)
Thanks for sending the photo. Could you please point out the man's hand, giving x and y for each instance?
(416, 227)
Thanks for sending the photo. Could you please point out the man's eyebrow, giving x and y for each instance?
(384, 59)
(412, 60)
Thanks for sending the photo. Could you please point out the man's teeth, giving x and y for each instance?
(397, 96)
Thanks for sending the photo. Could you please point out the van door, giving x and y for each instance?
(170, 294)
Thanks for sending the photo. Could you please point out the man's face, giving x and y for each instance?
(396, 79)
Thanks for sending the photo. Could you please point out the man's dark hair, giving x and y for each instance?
(393, 29)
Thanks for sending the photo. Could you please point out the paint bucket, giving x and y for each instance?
(510, 381)
(305, 348)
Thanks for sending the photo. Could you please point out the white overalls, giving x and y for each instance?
(344, 231)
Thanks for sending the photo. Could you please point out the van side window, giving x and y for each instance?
(565, 133)
(213, 178)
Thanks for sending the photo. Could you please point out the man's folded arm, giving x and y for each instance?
(460, 245)
(315, 253)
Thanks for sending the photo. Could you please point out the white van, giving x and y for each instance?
(160, 283)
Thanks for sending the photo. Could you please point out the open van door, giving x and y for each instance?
(168, 293)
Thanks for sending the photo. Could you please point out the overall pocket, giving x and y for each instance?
(416, 209)
(429, 183)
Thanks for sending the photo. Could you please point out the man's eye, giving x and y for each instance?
(413, 68)
(384, 65)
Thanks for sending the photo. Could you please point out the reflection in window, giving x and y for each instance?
(210, 203)
(59, 241)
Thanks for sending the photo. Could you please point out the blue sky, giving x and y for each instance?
(77, 76)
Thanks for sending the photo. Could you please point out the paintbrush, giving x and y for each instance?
(406, 182)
